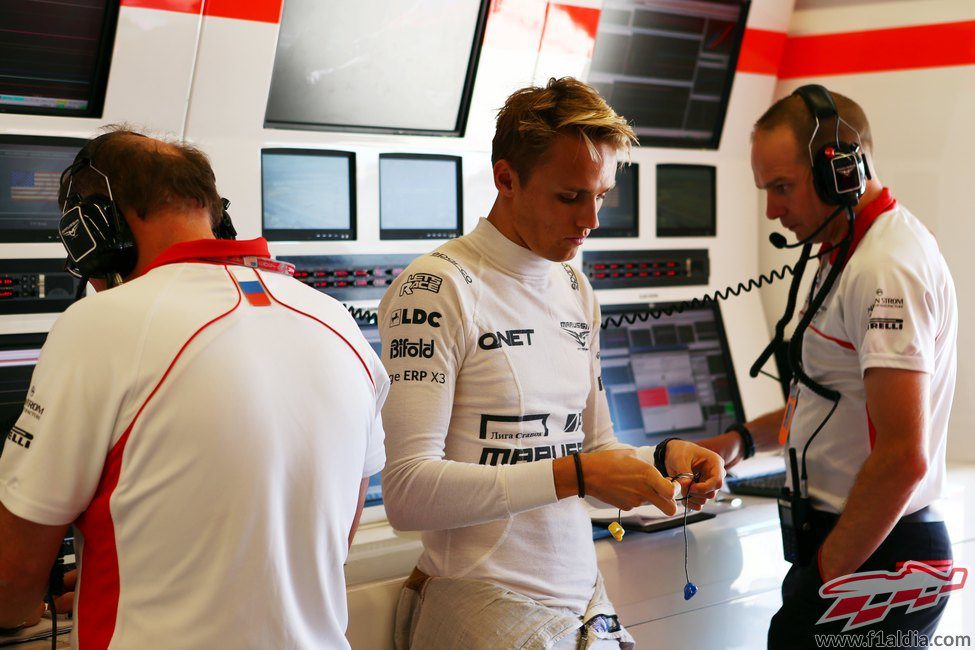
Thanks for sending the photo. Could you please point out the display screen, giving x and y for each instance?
(669, 376)
(376, 65)
(686, 201)
(30, 174)
(620, 214)
(55, 56)
(668, 66)
(307, 194)
(420, 196)
(18, 356)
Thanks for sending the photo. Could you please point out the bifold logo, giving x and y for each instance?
(410, 349)
(867, 597)
(511, 338)
(414, 317)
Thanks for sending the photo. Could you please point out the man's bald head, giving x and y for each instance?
(146, 174)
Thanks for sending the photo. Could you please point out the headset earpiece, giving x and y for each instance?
(839, 169)
(225, 229)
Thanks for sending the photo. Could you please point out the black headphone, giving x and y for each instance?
(840, 172)
(96, 235)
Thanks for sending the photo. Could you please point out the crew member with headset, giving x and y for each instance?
(214, 467)
(874, 353)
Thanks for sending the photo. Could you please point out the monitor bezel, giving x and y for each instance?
(99, 80)
(30, 236)
(723, 343)
(313, 234)
(711, 231)
(714, 143)
(604, 231)
(463, 111)
(424, 233)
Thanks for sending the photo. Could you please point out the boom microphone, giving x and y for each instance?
(779, 241)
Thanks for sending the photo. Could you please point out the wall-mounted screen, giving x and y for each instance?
(307, 194)
(620, 214)
(420, 196)
(668, 66)
(669, 376)
(56, 56)
(374, 65)
(686, 201)
(30, 176)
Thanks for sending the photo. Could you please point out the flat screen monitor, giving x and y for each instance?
(686, 201)
(669, 376)
(620, 214)
(668, 66)
(308, 194)
(56, 56)
(374, 493)
(375, 65)
(420, 196)
(30, 174)
(18, 356)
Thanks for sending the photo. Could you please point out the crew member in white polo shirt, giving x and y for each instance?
(208, 426)
(884, 339)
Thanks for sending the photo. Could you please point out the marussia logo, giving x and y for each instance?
(865, 598)
(578, 331)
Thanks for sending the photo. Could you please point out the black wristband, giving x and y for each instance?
(660, 456)
(747, 441)
(581, 482)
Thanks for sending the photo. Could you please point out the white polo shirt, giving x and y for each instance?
(893, 306)
(207, 426)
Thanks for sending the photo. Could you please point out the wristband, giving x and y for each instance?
(660, 456)
(747, 441)
(581, 482)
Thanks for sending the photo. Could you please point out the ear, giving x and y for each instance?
(505, 179)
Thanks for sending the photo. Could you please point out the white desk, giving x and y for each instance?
(735, 560)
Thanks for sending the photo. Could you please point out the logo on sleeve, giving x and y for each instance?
(421, 282)
(414, 317)
(410, 349)
(579, 333)
(573, 423)
(514, 427)
(457, 266)
(20, 437)
(886, 305)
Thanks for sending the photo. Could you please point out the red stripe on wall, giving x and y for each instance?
(761, 51)
(265, 11)
(879, 50)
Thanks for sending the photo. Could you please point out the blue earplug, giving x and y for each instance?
(689, 590)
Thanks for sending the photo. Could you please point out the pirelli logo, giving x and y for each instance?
(20, 437)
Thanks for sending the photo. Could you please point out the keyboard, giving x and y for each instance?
(763, 485)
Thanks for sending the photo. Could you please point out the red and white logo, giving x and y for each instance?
(866, 598)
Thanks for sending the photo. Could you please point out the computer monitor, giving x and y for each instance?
(420, 196)
(30, 175)
(56, 56)
(18, 356)
(620, 214)
(308, 194)
(669, 376)
(686, 201)
(668, 66)
(375, 65)
(374, 493)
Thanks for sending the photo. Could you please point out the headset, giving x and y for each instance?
(97, 237)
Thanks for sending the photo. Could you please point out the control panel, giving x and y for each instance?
(35, 286)
(349, 277)
(646, 268)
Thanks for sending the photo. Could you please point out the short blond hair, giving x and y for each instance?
(533, 117)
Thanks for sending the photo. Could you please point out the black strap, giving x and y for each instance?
(747, 441)
(660, 456)
(579, 479)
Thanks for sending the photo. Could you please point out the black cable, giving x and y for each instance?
(368, 316)
(687, 576)
(630, 318)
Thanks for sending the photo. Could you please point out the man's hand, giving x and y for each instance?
(617, 477)
(687, 458)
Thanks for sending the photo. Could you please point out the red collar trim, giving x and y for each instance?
(885, 202)
(210, 249)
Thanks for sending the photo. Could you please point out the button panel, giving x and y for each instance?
(349, 277)
(35, 286)
(646, 268)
